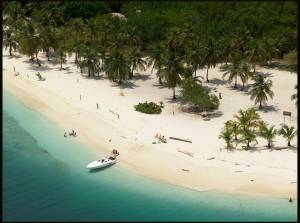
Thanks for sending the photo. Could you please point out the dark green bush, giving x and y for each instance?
(148, 108)
(198, 95)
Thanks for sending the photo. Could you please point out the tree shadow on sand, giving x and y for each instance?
(41, 68)
(98, 77)
(269, 108)
(142, 77)
(178, 100)
(13, 56)
(125, 85)
(160, 86)
(218, 82)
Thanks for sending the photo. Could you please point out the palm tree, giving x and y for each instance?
(30, 41)
(295, 96)
(137, 62)
(270, 48)
(261, 89)
(248, 136)
(246, 74)
(267, 133)
(48, 39)
(226, 134)
(248, 119)
(61, 48)
(92, 29)
(90, 60)
(155, 59)
(288, 132)
(194, 56)
(233, 70)
(256, 53)
(117, 65)
(9, 40)
(211, 55)
(171, 71)
(227, 49)
(234, 127)
(77, 31)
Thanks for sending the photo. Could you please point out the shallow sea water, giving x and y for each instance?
(44, 179)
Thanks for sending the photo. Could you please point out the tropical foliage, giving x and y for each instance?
(198, 95)
(248, 126)
(261, 89)
(267, 133)
(148, 108)
(288, 133)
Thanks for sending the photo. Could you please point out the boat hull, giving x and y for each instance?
(99, 165)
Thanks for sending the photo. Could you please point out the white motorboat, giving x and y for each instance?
(101, 163)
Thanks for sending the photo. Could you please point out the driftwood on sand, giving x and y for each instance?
(186, 153)
(185, 170)
(184, 140)
(114, 113)
(211, 158)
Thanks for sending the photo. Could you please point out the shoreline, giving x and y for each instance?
(140, 157)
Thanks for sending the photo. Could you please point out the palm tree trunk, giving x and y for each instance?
(289, 143)
(195, 74)
(260, 106)
(76, 58)
(131, 74)
(10, 50)
(47, 54)
(207, 74)
(243, 85)
(61, 60)
(174, 96)
(235, 84)
(248, 145)
(269, 144)
(37, 59)
(159, 78)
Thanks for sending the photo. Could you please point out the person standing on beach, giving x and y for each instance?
(80, 97)
(14, 69)
(97, 105)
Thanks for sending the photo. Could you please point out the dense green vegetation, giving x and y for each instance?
(175, 38)
(248, 126)
(148, 108)
(198, 95)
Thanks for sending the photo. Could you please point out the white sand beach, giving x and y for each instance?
(260, 172)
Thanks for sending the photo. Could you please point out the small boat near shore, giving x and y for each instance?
(101, 163)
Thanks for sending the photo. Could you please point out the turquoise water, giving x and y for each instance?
(45, 180)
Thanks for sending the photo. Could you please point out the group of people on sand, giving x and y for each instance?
(161, 138)
(115, 152)
(73, 133)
